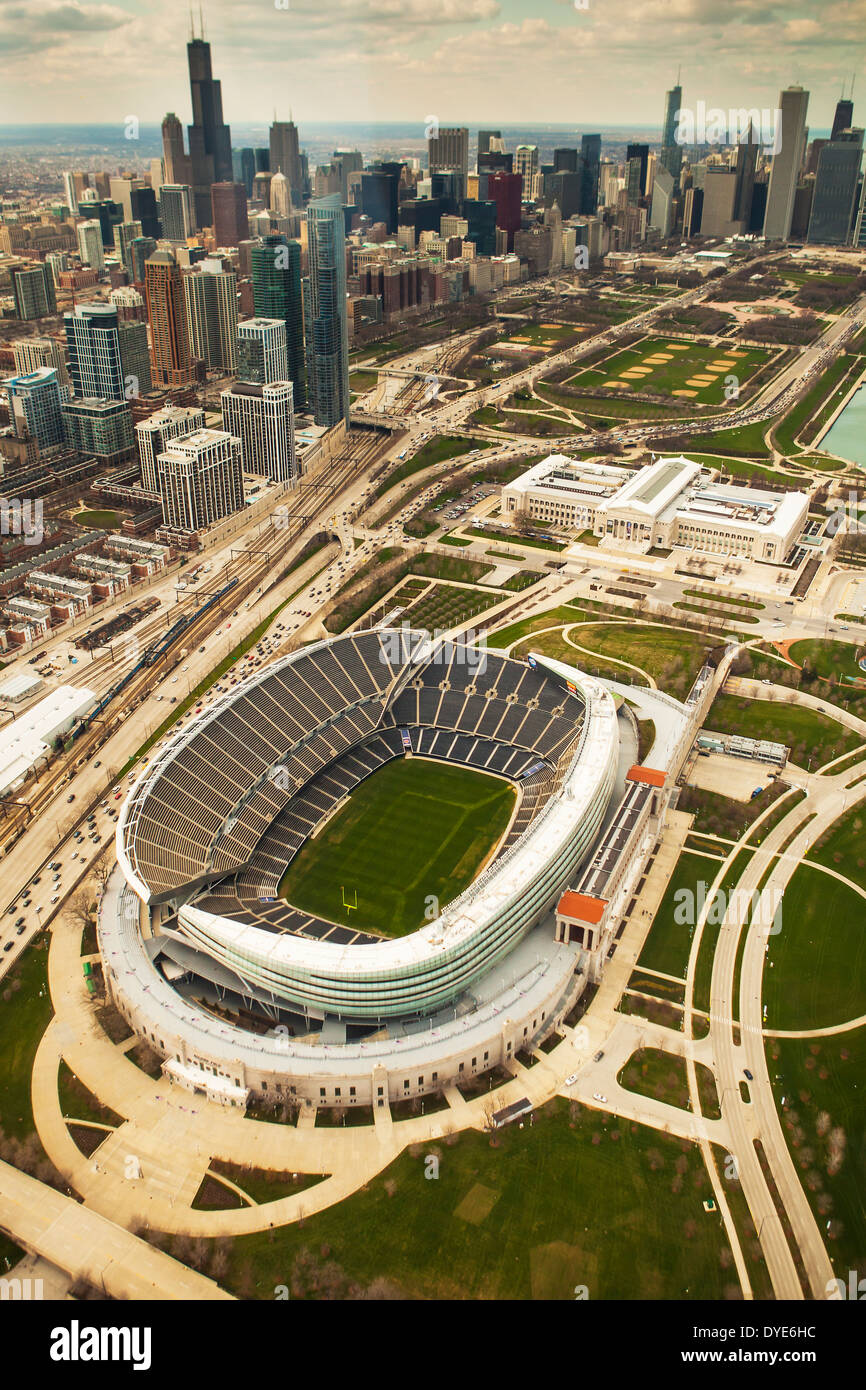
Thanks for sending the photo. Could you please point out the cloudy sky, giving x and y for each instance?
(583, 62)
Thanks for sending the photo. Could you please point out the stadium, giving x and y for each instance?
(339, 883)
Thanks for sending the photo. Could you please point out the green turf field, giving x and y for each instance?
(577, 1198)
(662, 366)
(413, 831)
(816, 965)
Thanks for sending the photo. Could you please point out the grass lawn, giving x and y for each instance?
(26, 1014)
(722, 815)
(671, 656)
(833, 660)
(663, 367)
(721, 598)
(815, 972)
(576, 1198)
(553, 644)
(843, 847)
(414, 830)
(488, 534)
(657, 1074)
(822, 1081)
(746, 439)
(106, 520)
(669, 942)
(807, 733)
(553, 617)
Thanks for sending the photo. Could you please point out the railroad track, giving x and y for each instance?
(263, 553)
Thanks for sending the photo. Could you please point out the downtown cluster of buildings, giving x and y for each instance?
(246, 272)
(745, 173)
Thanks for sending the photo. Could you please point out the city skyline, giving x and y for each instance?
(455, 63)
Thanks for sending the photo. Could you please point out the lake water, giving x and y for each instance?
(847, 438)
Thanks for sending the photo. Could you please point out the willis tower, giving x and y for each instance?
(210, 141)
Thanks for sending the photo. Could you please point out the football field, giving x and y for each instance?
(414, 832)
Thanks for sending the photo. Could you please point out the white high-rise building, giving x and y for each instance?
(526, 163)
(262, 352)
(262, 418)
(281, 195)
(200, 479)
(70, 193)
(154, 435)
(90, 245)
(785, 171)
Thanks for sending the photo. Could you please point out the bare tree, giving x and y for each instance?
(80, 907)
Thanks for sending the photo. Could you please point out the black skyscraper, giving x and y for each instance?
(210, 142)
(590, 169)
(843, 117)
(144, 210)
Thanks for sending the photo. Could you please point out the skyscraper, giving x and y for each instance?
(281, 197)
(211, 303)
(175, 206)
(641, 154)
(285, 158)
(33, 291)
(90, 244)
(590, 168)
(449, 149)
(230, 221)
(70, 193)
(261, 417)
(662, 210)
(484, 139)
(785, 171)
(379, 197)
(834, 200)
(210, 141)
(506, 191)
(481, 216)
(261, 353)
(176, 163)
(155, 433)
(167, 316)
(526, 164)
(277, 294)
(244, 167)
(30, 353)
(671, 156)
(126, 235)
(93, 345)
(200, 479)
(35, 402)
(144, 210)
(139, 251)
(842, 118)
(327, 340)
(99, 427)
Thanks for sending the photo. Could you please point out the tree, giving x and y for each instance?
(81, 909)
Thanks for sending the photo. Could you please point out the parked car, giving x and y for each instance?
(596, 1095)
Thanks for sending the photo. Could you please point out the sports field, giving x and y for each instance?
(690, 371)
(415, 831)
